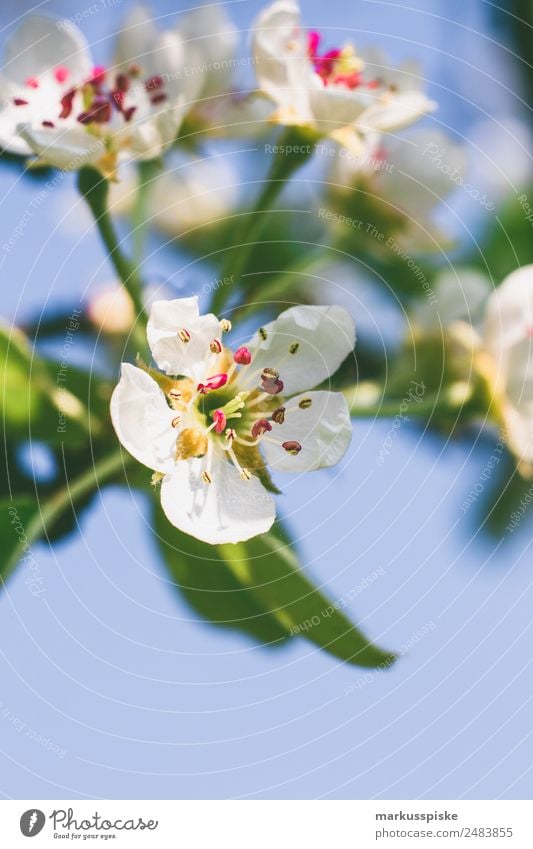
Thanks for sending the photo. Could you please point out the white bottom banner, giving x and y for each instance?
(269, 824)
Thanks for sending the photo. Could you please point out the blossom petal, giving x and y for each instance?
(397, 111)
(335, 107)
(40, 44)
(280, 56)
(66, 148)
(172, 354)
(142, 419)
(228, 509)
(321, 425)
(136, 39)
(209, 32)
(509, 316)
(9, 138)
(320, 337)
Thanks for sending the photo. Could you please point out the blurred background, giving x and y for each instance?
(113, 687)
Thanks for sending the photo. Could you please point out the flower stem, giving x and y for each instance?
(95, 189)
(295, 148)
(51, 510)
(147, 172)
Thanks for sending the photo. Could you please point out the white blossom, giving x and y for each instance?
(214, 419)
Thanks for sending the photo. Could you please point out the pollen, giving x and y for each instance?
(292, 447)
(191, 442)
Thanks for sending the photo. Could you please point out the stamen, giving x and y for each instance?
(269, 374)
(294, 347)
(225, 325)
(216, 346)
(67, 103)
(272, 387)
(32, 82)
(154, 83)
(292, 447)
(230, 434)
(48, 124)
(242, 356)
(176, 421)
(19, 101)
(122, 82)
(175, 395)
(219, 420)
(279, 415)
(260, 427)
(158, 98)
(206, 477)
(61, 74)
(215, 382)
(184, 335)
(305, 403)
(244, 473)
(263, 334)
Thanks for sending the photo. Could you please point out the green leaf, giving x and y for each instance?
(16, 517)
(258, 587)
(24, 520)
(34, 401)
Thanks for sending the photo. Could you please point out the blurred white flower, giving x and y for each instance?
(210, 432)
(190, 192)
(111, 309)
(329, 91)
(404, 179)
(502, 353)
(70, 114)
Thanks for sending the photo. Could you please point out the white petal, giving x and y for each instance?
(509, 315)
(171, 354)
(325, 337)
(415, 182)
(227, 510)
(68, 148)
(210, 35)
(323, 430)
(142, 419)
(519, 384)
(136, 39)
(41, 44)
(335, 107)
(460, 296)
(397, 111)
(280, 55)
(10, 140)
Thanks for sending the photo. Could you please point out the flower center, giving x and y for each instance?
(100, 98)
(233, 410)
(339, 66)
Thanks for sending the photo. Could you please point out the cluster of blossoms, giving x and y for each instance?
(331, 92)
(212, 421)
(58, 106)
